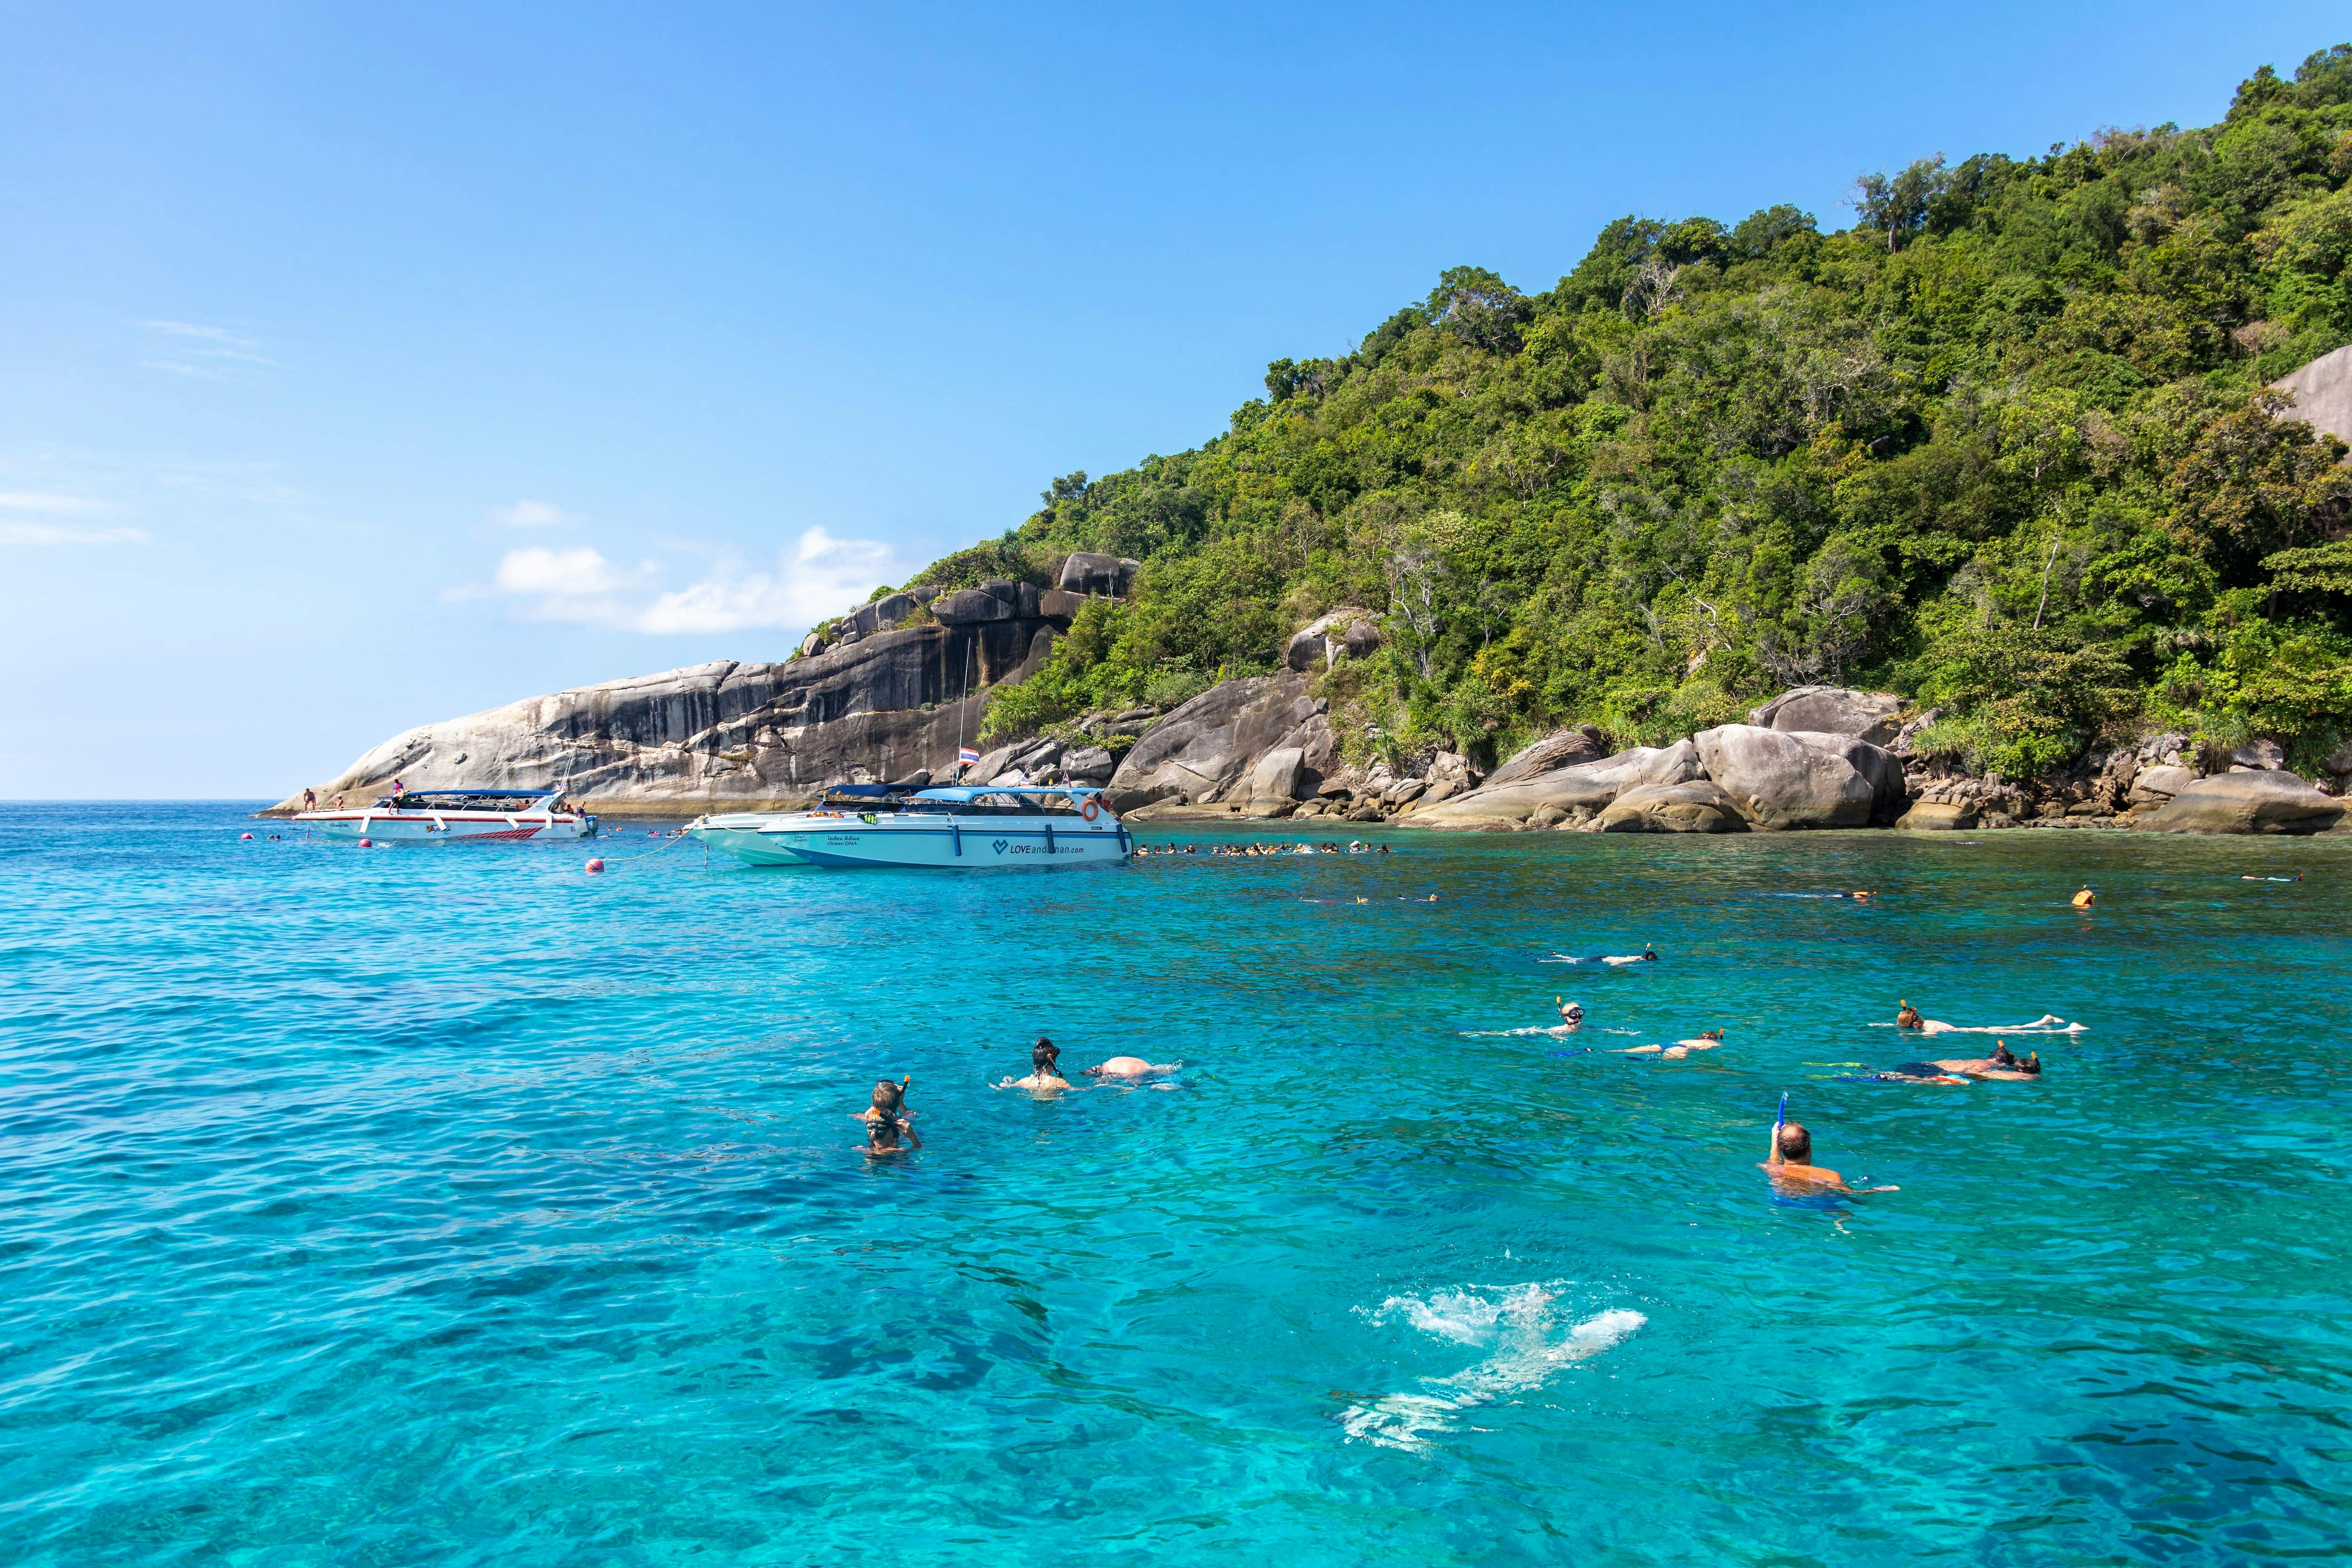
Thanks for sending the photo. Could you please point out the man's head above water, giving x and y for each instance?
(1796, 1145)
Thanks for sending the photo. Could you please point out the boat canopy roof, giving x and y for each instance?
(963, 794)
(483, 794)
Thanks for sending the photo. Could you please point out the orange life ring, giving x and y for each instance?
(1090, 810)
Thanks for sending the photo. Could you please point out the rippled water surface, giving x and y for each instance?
(443, 1204)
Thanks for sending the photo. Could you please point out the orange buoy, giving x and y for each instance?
(594, 866)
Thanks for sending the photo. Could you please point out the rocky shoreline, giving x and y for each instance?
(886, 693)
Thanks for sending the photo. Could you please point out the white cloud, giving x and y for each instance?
(814, 577)
(530, 514)
(205, 353)
(45, 500)
(51, 533)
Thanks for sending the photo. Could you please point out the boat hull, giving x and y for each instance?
(446, 827)
(934, 842)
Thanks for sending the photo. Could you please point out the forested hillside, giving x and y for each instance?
(2002, 445)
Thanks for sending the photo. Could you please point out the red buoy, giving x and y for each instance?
(594, 866)
(244, 838)
(366, 844)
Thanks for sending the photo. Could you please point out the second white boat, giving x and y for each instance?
(954, 828)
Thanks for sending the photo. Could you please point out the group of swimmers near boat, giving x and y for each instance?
(1238, 851)
(888, 1120)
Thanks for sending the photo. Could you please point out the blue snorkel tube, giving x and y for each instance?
(1782, 1119)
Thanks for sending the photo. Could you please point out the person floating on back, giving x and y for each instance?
(1791, 1165)
(887, 1118)
(2003, 1064)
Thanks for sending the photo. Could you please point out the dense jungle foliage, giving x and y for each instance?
(2002, 445)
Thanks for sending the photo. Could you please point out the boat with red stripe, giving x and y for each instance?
(456, 816)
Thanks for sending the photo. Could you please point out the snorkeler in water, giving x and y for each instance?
(1909, 1019)
(2086, 899)
(1614, 959)
(1791, 1165)
(2002, 1065)
(887, 1118)
(1707, 1041)
(1044, 1069)
(1572, 1013)
(1131, 1067)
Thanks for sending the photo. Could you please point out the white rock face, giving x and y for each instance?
(2323, 393)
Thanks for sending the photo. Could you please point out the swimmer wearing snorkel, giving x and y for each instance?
(1044, 1069)
(1707, 1041)
(1572, 1013)
(1131, 1067)
(2086, 899)
(2002, 1065)
(1614, 959)
(1791, 1165)
(1909, 1019)
(887, 1118)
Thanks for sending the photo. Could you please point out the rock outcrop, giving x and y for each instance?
(1938, 817)
(1085, 575)
(1698, 807)
(1581, 791)
(727, 735)
(1560, 749)
(1319, 645)
(1199, 752)
(2323, 393)
(2257, 801)
(1832, 710)
(1802, 778)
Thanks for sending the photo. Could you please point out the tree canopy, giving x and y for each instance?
(2003, 445)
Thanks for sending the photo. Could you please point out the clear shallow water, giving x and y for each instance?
(448, 1205)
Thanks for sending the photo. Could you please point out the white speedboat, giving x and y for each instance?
(954, 828)
(455, 816)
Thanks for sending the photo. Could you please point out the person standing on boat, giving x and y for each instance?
(309, 800)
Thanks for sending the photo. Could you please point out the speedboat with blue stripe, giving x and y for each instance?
(957, 827)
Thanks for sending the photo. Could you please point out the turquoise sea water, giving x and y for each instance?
(446, 1206)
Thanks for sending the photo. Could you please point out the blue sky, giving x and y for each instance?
(372, 365)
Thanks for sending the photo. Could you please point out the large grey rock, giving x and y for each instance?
(1582, 786)
(1938, 817)
(1698, 807)
(1319, 645)
(1802, 779)
(2262, 802)
(2323, 393)
(974, 606)
(1089, 764)
(725, 735)
(1202, 748)
(1274, 776)
(1832, 710)
(1560, 749)
(2154, 787)
(2263, 756)
(880, 615)
(1085, 574)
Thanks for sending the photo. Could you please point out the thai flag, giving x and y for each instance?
(966, 756)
